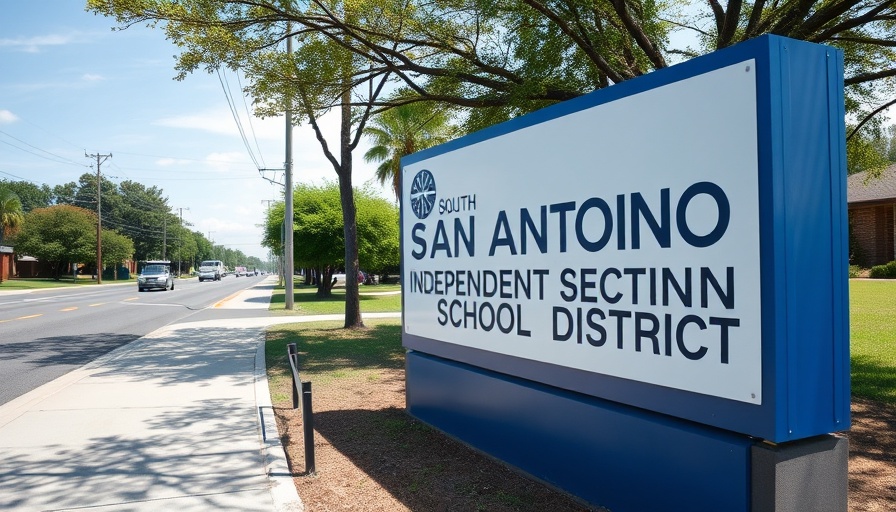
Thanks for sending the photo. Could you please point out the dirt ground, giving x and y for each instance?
(371, 456)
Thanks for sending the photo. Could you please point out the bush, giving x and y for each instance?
(887, 271)
(855, 271)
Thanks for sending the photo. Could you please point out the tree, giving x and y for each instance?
(511, 57)
(11, 215)
(891, 142)
(378, 232)
(31, 195)
(322, 75)
(130, 208)
(116, 249)
(60, 234)
(403, 130)
(319, 231)
(867, 150)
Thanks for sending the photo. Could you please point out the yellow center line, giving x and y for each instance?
(69, 309)
(132, 298)
(29, 316)
(97, 304)
(225, 299)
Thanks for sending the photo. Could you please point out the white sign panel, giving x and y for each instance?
(622, 239)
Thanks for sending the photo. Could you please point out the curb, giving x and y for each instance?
(282, 487)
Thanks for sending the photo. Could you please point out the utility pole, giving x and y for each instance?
(288, 215)
(99, 216)
(164, 235)
(179, 241)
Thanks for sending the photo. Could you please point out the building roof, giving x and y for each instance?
(860, 189)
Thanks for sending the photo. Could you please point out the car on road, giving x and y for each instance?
(155, 275)
(211, 270)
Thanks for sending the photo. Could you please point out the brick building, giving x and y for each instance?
(6, 260)
(872, 210)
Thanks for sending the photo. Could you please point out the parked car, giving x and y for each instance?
(155, 274)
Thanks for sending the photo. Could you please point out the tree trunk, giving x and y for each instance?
(325, 282)
(349, 216)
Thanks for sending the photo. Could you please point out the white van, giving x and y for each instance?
(211, 270)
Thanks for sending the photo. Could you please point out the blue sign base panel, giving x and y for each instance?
(612, 455)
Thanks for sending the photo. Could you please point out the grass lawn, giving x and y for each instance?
(35, 283)
(307, 303)
(872, 322)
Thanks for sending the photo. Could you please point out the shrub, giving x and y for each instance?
(855, 271)
(887, 271)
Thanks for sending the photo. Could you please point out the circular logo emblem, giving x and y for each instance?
(423, 194)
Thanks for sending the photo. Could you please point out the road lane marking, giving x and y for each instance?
(68, 309)
(132, 298)
(221, 302)
(97, 304)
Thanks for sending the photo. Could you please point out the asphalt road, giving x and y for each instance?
(47, 333)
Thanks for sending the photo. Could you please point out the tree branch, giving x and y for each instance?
(869, 116)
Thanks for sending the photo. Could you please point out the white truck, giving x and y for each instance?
(211, 270)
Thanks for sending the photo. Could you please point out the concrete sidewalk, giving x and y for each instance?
(172, 421)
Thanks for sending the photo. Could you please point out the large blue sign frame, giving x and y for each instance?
(803, 252)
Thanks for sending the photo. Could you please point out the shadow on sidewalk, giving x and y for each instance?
(204, 445)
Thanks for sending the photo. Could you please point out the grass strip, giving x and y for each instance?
(38, 283)
(329, 353)
(373, 299)
(872, 312)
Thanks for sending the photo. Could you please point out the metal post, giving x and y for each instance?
(308, 423)
(292, 354)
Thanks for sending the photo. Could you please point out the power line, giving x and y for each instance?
(19, 177)
(236, 116)
(249, 119)
(58, 159)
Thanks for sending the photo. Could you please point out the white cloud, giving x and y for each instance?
(230, 161)
(89, 77)
(36, 43)
(7, 117)
(220, 121)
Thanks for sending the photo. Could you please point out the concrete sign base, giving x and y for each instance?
(809, 474)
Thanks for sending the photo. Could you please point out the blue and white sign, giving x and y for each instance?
(626, 252)
(675, 242)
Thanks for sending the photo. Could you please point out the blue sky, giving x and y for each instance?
(69, 85)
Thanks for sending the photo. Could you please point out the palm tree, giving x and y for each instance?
(11, 215)
(403, 130)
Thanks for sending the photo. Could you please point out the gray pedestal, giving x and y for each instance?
(810, 474)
